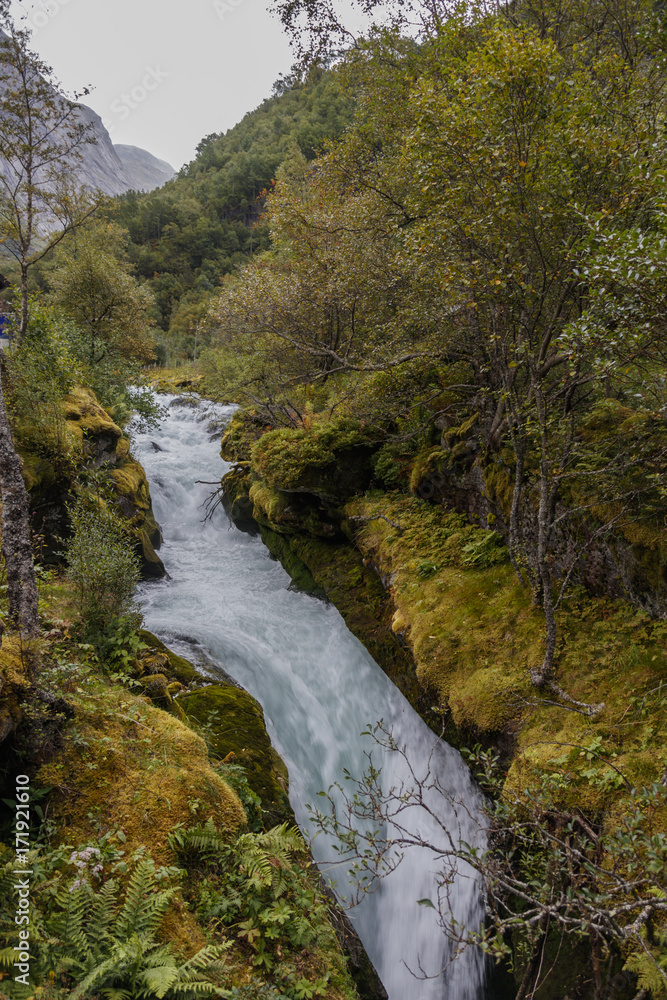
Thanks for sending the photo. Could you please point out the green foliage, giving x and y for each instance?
(488, 549)
(105, 569)
(101, 935)
(259, 885)
(41, 371)
(288, 458)
(200, 226)
(92, 285)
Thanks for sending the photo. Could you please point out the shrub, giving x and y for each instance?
(103, 565)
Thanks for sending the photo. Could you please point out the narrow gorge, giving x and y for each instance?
(228, 604)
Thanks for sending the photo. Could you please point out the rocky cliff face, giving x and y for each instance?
(142, 169)
(102, 165)
(115, 169)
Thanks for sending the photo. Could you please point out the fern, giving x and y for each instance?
(266, 857)
(105, 942)
(144, 907)
(204, 840)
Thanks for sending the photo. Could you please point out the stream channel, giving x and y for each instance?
(319, 689)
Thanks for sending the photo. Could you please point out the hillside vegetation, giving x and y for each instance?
(451, 362)
(201, 226)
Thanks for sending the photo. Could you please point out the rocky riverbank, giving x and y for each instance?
(432, 594)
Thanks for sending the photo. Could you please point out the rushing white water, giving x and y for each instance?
(319, 689)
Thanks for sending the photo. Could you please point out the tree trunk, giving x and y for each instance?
(23, 324)
(16, 546)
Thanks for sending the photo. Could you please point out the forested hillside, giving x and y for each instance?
(189, 234)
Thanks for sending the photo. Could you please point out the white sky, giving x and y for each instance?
(164, 73)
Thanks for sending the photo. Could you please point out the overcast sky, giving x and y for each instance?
(164, 73)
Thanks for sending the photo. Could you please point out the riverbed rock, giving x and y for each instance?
(164, 660)
(134, 502)
(84, 436)
(235, 725)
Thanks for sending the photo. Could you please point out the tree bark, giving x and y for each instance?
(16, 545)
(23, 322)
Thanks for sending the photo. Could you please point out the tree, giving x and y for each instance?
(546, 867)
(93, 286)
(41, 137)
(492, 153)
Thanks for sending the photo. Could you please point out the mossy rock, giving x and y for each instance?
(156, 687)
(179, 668)
(243, 430)
(15, 683)
(134, 502)
(126, 763)
(332, 462)
(237, 726)
(92, 427)
(236, 497)
(294, 513)
(280, 549)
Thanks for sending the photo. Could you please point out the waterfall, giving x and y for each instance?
(319, 689)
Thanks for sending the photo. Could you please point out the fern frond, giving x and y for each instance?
(103, 911)
(203, 839)
(143, 907)
(108, 967)
(7, 957)
(159, 980)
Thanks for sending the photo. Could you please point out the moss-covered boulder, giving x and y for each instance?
(83, 436)
(280, 548)
(92, 427)
(332, 462)
(236, 500)
(127, 764)
(158, 658)
(134, 502)
(235, 723)
(243, 430)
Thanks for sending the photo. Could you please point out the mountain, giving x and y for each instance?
(112, 169)
(144, 170)
(116, 169)
(208, 221)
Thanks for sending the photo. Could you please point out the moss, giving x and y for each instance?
(175, 380)
(280, 549)
(425, 465)
(332, 461)
(128, 764)
(243, 430)
(268, 504)
(236, 497)
(235, 724)
(134, 501)
(14, 683)
(178, 667)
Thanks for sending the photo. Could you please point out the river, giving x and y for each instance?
(319, 689)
